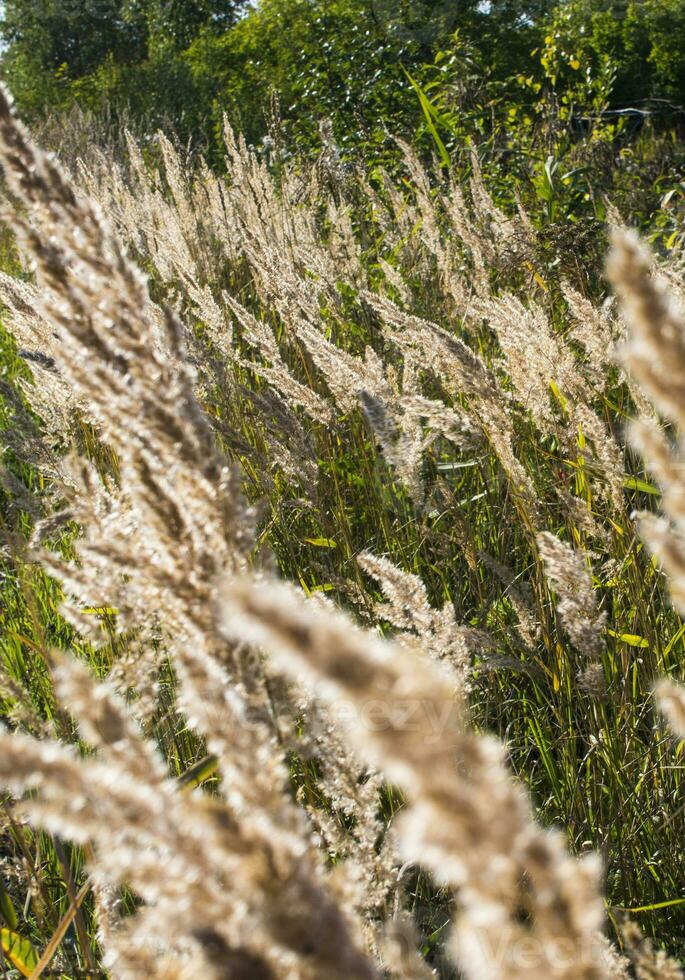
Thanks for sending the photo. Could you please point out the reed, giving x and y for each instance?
(346, 608)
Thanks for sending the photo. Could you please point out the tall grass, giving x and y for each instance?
(375, 390)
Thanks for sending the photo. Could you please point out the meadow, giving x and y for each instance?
(342, 517)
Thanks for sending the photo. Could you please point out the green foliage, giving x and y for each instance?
(496, 71)
(641, 38)
(121, 53)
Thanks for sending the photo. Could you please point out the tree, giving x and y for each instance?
(180, 21)
(122, 53)
(75, 36)
(642, 39)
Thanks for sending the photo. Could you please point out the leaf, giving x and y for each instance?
(551, 167)
(540, 281)
(617, 527)
(430, 114)
(322, 542)
(20, 952)
(573, 173)
(674, 639)
(558, 395)
(7, 909)
(656, 905)
(632, 639)
(634, 483)
(460, 465)
(194, 776)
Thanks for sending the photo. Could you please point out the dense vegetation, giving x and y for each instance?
(398, 332)
(184, 64)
